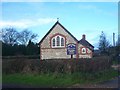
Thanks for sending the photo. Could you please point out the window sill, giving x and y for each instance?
(57, 47)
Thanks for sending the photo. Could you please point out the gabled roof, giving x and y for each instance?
(52, 29)
(82, 41)
(86, 43)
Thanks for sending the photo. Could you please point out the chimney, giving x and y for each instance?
(83, 36)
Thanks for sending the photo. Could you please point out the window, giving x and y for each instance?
(58, 41)
(53, 42)
(83, 50)
(62, 41)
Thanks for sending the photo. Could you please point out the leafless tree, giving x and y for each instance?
(25, 36)
(10, 36)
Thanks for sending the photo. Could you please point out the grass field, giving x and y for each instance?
(1, 78)
(58, 79)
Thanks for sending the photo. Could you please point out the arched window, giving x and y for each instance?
(62, 41)
(83, 50)
(58, 41)
(53, 42)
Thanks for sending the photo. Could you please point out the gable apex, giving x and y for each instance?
(57, 23)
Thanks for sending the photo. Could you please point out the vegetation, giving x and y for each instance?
(18, 43)
(57, 73)
(0, 77)
(52, 73)
(106, 49)
(20, 64)
(59, 79)
(15, 50)
(12, 36)
(103, 44)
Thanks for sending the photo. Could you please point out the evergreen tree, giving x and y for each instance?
(103, 44)
(32, 49)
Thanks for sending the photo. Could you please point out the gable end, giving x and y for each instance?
(52, 29)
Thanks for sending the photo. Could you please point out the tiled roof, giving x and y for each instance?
(86, 44)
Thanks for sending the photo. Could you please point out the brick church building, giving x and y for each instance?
(58, 41)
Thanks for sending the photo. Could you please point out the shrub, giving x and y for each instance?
(56, 66)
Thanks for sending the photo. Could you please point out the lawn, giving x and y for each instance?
(59, 79)
(0, 78)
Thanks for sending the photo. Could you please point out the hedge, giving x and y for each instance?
(38, 66)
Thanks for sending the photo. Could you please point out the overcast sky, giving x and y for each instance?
(79, 18)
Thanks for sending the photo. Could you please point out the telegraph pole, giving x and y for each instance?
(114, 39)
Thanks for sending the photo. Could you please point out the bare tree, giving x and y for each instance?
(10, 36)
(25, 36)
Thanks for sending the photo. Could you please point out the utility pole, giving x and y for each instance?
(114, 39)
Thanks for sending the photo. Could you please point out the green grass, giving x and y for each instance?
(58, 80)
(115, 62)
(0, 78)
(49, 80)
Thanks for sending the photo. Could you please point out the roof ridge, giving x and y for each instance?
(48, 32)
(52, 29)
(86, 42)
(67, 31)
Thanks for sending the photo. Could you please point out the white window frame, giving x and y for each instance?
(55, 37)
(84, 49)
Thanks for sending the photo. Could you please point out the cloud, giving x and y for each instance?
(26, 22)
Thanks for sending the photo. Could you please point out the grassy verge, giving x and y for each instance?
(0, 78)
(58, 80)
(44, 80)
(115, 62)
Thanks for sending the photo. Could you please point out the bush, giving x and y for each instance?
(56, 66)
